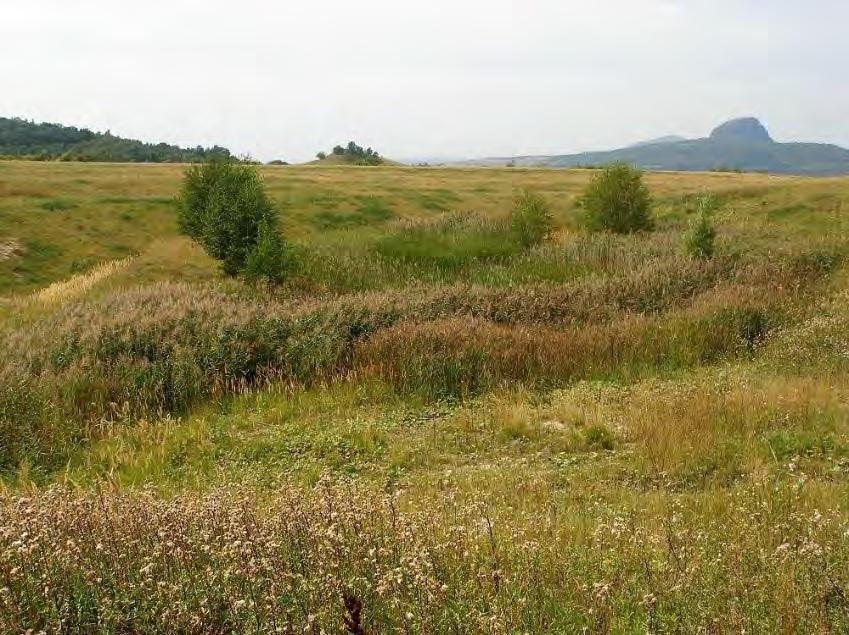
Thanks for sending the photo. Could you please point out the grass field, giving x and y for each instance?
(427, 429)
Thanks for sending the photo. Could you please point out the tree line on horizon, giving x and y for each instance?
(23, 139)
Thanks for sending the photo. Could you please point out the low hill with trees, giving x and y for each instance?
(351, 154)
(23, 139)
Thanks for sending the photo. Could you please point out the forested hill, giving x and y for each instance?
(20, 138)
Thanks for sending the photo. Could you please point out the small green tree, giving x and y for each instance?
(699, 240)
(223, 206)
(617, 200)
(531, 219)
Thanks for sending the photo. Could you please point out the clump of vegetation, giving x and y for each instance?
(450, 242)
(58, 205)
(699, 242)
(531, 219)
(617, 200)
(224, 207)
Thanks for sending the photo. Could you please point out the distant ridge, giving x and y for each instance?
(739, 144)
(673, 138)
(24, 139)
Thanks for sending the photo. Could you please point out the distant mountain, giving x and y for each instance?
(744, 129)
(739, 144)
(20, 138)
(673, 138)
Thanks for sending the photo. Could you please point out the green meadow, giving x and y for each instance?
(429, 427)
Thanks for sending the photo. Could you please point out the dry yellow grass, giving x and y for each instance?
(80, 284)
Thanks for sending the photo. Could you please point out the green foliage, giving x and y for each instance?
(269, 259)
(223, 206)
(531, 219)
(617, 200)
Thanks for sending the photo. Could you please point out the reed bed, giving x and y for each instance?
(160, 349)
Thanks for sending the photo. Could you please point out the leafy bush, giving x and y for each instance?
(531, 219)
(617, 200)
(699, 241)
(223, 206)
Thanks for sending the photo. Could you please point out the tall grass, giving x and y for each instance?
(347, 559)
(161, 349)
(449, 243)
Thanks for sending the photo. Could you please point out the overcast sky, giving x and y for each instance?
(426, 78)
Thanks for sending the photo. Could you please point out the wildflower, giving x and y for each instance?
(784, 546)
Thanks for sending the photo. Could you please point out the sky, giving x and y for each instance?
(426, 79)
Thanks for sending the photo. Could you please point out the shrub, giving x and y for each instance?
(222, 206)
(699, 241)
(531, 219)
(617, 200)
(754, 328)
(599, 438)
